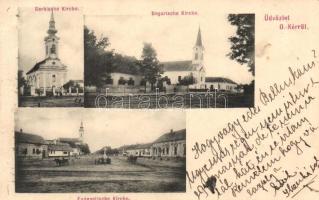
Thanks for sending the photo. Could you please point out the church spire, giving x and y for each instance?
(198, 50)
(51, 40)
(199, 39)
(52, 30)
(81, 132)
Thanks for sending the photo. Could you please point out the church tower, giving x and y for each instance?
(51, 41)
(198, 50)
(81, 132)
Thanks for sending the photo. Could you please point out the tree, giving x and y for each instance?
(150, 65)
(187, 80)
(85, 148)
(97, 61)
(243, 43)
(21, 80)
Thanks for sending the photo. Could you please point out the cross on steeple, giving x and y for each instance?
(52, 30)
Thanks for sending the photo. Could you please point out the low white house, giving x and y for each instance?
(75, 151)
(220, 84)
(59, 150)
(126, 78)
(172, 144)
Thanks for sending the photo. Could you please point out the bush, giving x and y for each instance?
(130, 81)
(109, 80)
(122, 81)
(187, 80)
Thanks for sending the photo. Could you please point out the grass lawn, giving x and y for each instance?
(58, 101)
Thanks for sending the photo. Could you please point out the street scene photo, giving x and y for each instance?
(85, 151)
(173, 64)
(50, 62)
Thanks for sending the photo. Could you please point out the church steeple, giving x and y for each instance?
(199, 39)
(81, 132)
(52, 30)
(51, 41)
(198, 50)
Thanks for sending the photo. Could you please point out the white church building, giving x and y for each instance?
(177, 71)
(50, 74)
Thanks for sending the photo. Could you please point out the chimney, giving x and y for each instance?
(172, 132)
(21, 131)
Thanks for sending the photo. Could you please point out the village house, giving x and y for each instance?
(172, 144)
(30, 146)
(220, 84)
(75, 143)
(129, 79)
(140, 150)
(59, 149)
(49, 75)
(74, 87)
(35, 147)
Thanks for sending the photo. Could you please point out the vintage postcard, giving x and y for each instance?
(178, 100)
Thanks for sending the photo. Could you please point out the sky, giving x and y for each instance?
(101, 127)
(32, 29)
(173, 38)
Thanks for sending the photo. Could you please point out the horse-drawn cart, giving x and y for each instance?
(61, 161)
(103, 161)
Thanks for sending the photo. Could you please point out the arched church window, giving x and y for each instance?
(53, 49)
(196, 56)
(53, 78)
(46, 50)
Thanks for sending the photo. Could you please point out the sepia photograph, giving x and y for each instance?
(82, 151)
(50, 60)
(147, 62)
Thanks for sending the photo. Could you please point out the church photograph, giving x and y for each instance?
(90, 150)
(148, 62)
(50, 61)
